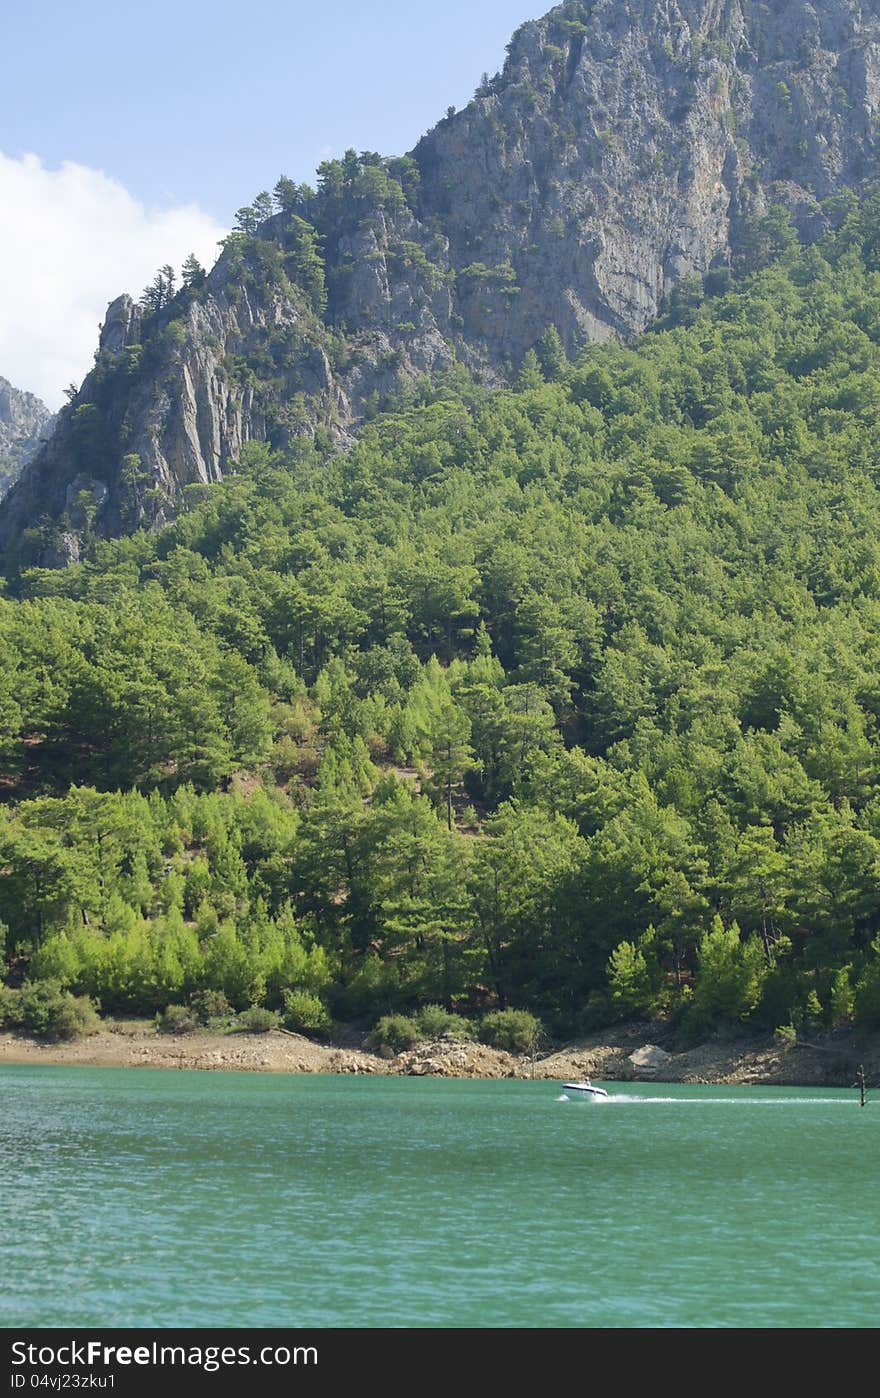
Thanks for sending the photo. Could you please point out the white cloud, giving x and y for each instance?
(71, 240)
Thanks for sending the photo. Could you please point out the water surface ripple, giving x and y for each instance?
(144, 1198)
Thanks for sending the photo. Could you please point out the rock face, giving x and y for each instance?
(625, 145)
(445, 1059)
(649, 1062)
(25, 423)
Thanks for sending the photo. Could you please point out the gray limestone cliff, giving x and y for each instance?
(626, 145)
(25, 423)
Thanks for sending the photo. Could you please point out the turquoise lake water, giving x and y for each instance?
(146, 1198)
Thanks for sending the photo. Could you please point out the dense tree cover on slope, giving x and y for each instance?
(563, 698)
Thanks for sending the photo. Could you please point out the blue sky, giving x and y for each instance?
(209, 103)
(130, 134)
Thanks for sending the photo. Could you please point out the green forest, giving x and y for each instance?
(560, 698)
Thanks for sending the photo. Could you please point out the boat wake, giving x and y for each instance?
(618, 1097)
(583, 1097)
(634, 1098)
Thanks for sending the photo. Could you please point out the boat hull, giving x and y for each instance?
(583, 1092)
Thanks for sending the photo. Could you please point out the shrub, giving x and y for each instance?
(597, 1012)
(304, 1012)
(632, 976)
(10, 1008)
(843, 1000)
(436, 1023)
(867, 996)
(731, 977)
(395, 1032)
(517, 1031)
(209, 1005)
(812, 1012)
(785, 1036)
(372, 990)
(46, 1009)
(257, 1020)
(177, 1019)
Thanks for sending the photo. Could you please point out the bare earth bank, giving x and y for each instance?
(628, 1052)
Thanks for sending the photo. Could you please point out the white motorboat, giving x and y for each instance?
(584, 1091)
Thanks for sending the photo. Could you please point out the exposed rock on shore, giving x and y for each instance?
(456, 1060)
(618, 1055)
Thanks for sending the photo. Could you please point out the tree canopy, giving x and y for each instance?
(561, 697)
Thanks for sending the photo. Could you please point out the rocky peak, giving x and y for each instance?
(25, 423)
(625, 145)
(121, 325)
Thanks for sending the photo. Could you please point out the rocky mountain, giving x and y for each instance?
(25, 423)
(626, 145)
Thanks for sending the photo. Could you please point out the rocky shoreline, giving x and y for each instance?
(636, 1052)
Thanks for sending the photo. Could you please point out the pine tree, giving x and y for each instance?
(193, 273)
